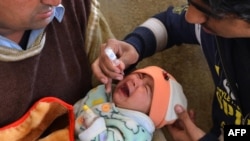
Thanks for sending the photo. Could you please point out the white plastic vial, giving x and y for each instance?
(112, 57)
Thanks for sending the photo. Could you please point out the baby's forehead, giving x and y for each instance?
(143, 73)
(145, 76)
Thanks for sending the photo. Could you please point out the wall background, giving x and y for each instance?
(186, 62)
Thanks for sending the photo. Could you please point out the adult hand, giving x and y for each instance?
(184, 128)
(103, 68)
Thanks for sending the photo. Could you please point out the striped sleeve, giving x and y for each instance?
(162, 31)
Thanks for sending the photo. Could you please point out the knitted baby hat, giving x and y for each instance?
(166, 94)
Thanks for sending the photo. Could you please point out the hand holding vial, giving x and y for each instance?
(112, 57)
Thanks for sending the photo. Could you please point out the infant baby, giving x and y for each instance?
(140, 103)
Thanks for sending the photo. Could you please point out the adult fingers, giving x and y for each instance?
(193, 131)
(98, 72)
(108, 86)
(114, 71)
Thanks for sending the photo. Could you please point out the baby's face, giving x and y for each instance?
(134, 92)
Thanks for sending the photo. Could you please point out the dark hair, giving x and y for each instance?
(239, 8)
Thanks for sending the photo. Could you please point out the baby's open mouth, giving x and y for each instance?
(125, 90)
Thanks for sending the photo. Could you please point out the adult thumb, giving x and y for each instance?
(183, 116)
(194, 132)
